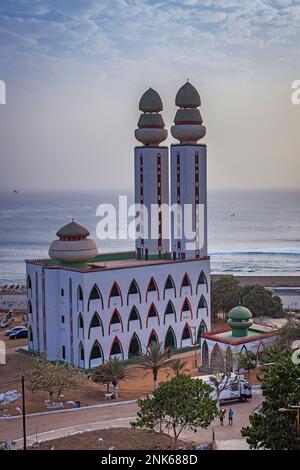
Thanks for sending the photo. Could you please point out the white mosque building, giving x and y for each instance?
(86, 307)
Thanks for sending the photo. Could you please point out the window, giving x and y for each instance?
(63, 319)
(64, 352)
(62, 292)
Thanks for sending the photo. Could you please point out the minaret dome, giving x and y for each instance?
(151, 131)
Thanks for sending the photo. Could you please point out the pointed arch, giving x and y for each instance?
(152, 286)
(186, 307)
(205, 355)
(186, 282)
(80, 324)
(95, 294)
(217, 359)
(202, 329)
(115, 319)
(135, 348)
(170, 310)
(153, 338)
(202, 304)
(29, 306)
(116, 348)
(96, 322)
(186, 334)
(79, 295)
(134, 315)
(28, 282)
(169, 284)
(96, 355)
(229, 359)
(170, 339)
(134, 289)
(81, 354)
(152, 312)
(202, 280)
(115, 291)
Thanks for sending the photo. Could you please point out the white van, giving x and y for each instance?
(237, 388)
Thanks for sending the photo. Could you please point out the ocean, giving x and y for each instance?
(262, 238)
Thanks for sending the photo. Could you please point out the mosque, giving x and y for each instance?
(86, 307)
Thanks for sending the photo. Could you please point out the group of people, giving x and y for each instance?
(222, 415)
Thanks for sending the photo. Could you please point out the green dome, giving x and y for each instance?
(239, 313)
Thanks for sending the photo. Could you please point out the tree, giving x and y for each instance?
(221, 382)
(178, 366)
(261, 301)
(54, 377)
(288, 334)
(154, 359)
(225, 294)
(245, 360)
(113, 371)
(181, 403)
(271, 429)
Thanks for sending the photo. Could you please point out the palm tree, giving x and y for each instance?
(178, 366)
(154, 359)
(113, 371)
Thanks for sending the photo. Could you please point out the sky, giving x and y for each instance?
(74, 72)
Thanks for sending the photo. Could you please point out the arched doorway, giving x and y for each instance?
(216, 359)
(134, 346)
(229, 360)
(205, 355)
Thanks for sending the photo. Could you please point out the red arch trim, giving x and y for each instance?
(156, 286)
(189, 281)
(120, 293)
(157, 314)
(120, 344)
(191, 333)
(120, 318)
(186, 300)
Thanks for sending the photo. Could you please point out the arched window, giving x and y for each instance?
(134, 315)
(153, 338)
(80, 324)
(229, 360)
(186, 282)
(186, 307)
(134, 346)
(29, 284)
(116, 348)
(202, 304)
(216, 359)
(115, 292)
(202, 329)
(96, 355)
(152, 287)
(96, 323)
(205, 355)
(170, 310)
(79, 296)
(169, 286)
(115, 320)
(94, 295)
(29, 306)
(170, 339)
(30, 334)
(202, 280)
(186, 337)
(151, 314)
(133, 290)
(81, 353)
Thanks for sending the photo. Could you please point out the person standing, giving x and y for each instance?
(222, 416)
(230, 417)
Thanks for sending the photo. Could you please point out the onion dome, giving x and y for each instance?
(151, 131)
(72, 245)
(240, 320)
(188, 128)
(150, 102)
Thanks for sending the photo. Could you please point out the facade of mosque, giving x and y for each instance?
(86, 307)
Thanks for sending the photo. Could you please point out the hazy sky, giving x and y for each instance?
(75, 70)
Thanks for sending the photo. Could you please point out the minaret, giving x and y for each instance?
(151, 179)
(188, 178)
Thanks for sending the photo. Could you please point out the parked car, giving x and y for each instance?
(19, 334)
(14, 330)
